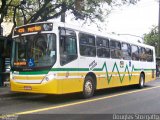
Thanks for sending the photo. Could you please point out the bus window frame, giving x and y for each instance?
(66, 29)
(132, 45)
(80, 44)
(115, 49)
(142, 52)
(128, 46)
(149, 55)
(107, 48)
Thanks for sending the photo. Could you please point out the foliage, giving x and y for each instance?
(29, 11)
(152, 37)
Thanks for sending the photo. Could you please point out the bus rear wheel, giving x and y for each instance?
(88, 87)
(141, 81)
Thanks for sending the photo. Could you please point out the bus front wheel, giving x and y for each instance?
(88, 87)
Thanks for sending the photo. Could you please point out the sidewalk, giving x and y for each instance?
(5, 91)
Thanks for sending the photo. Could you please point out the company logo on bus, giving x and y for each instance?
(34, 28)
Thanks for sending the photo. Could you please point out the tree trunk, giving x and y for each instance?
(78, 4)
(63, 17)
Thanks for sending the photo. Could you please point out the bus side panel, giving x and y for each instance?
(134, 78)
(71, 85)
(115, 75)
(149, 76)
(101, 80)
(69, 77)
(116, 82)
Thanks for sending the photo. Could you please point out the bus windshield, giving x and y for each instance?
(34, 51)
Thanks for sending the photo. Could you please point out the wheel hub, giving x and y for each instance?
(142, 81)
(88, 87)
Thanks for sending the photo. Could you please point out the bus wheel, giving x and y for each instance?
(88, 87)
(141, 81)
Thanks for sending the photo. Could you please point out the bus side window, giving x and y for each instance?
(116, 51)
(87, 45)
(149, 54)
(126, 51)
(103, 50)
(142, 54)
(135, 53)
(68, 46)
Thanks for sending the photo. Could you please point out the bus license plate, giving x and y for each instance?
(27, 88)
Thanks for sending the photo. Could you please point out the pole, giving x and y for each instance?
(1, 63)
(63, 15)
(158, 52)
(1, 30)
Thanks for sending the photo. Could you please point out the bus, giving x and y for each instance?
(59, 58)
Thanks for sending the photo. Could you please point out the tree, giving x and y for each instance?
(8, 9)
(29, 11)
(152, 38)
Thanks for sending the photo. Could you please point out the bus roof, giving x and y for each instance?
(100, 33)
(92, 32)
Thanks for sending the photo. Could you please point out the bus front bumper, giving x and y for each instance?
(50, 87)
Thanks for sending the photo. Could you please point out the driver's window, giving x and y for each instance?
(68, 46)
(39, 47)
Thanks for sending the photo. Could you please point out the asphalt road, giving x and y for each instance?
(105, 104)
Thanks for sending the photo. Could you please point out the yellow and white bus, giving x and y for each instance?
(57, 58)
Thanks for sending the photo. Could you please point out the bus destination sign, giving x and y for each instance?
(33, 28)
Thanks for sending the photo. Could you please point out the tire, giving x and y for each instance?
(88, 87)
(141, 81)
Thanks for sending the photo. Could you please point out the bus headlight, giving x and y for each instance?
(48, 78)
(12, 76)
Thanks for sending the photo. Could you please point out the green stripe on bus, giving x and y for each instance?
(115, 67)
(109, 78)
(117, 70)
(34, 72)
(143, 69)
(70, 69)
